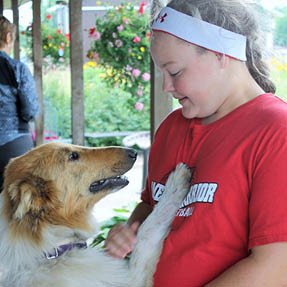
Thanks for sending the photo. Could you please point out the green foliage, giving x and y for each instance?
(281, 29)
(281, 84)
(121, 41)
(55, 44)
(279, 77)
(57, 89)
(121, 216)
(106, 109)
(50, 16)
(112, 109)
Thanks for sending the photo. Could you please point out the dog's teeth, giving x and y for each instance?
(102, 181)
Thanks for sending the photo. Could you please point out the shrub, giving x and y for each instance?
(57, 90)
(106, 109)
(55, 45)
(111, 109)
(121, 41)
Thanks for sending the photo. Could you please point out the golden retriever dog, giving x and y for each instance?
(46, 218)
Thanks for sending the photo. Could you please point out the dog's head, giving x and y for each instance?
(59, 184)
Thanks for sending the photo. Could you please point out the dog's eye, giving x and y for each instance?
(74, 155)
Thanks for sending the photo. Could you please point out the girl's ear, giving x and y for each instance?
(223, 60)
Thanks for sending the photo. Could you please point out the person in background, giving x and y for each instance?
(18, 100)
(231, 229)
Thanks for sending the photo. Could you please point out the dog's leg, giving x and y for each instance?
(156, 227)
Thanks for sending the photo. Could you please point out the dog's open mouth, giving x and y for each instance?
(113, 182)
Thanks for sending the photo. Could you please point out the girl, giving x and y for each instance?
(231, 229)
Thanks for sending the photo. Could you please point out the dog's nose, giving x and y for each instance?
(132, 153)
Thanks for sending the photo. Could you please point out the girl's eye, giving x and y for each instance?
(174, 74)
(74, 156)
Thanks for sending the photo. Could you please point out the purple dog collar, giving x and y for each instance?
(63, 248)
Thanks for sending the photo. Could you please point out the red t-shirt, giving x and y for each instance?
(238, 195)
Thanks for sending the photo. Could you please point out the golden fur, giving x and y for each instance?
(47, 199)
(37, 191)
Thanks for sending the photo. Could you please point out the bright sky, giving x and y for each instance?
(270, 4)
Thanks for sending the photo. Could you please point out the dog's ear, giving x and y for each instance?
(32, 195)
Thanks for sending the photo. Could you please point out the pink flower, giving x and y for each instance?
(61, 60)
(139, 106)
(117, 84)
(126, 21)
(146, 77)
(119, 43)
(136, 39)
(140, 93)
(136, 72)
(62, 44)
(120, 28)
(128, 68)
(111, 44)
(114, 35)
(97, 35)
(95, 55)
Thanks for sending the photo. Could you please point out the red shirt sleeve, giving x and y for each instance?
(268, 199)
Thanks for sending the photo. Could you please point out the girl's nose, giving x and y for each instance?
(167, 85)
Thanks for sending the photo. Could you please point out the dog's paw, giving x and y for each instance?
(178, 182)
(181, 175)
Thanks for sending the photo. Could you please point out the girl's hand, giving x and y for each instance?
(121, 239)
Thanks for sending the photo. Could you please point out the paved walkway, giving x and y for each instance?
(131, 193)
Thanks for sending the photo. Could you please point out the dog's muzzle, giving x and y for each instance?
(119, 181)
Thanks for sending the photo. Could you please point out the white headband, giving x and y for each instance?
(201, 33)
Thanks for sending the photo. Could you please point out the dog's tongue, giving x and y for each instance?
(108, 183)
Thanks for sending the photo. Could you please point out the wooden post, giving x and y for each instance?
(76, 58)
(14, 4)
(1, 7)
(161, 103)
(37, 58)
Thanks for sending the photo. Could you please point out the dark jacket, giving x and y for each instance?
(18, 98)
